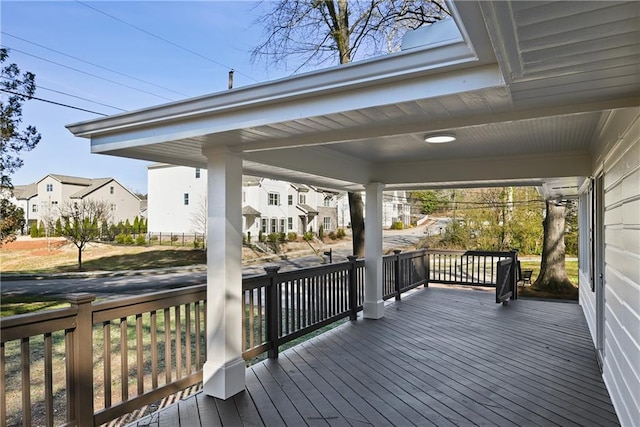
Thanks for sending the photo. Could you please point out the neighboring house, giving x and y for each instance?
(176, 203)
(42, 199)
(395, 208)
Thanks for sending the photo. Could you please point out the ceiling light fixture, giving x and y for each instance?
(439, 138)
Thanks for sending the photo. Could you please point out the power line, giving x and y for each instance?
(71, 95)
(88, 73)
(95, 65)
(165, 40)
(52, 102)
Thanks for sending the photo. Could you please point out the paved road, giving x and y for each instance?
(118, 285)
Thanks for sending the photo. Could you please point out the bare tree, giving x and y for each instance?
(82, 221)
(322, 32)
(553, 274)
(198, 217)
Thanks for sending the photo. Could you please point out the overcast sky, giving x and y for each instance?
(41, 34)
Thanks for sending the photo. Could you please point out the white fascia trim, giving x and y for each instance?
(382, 70)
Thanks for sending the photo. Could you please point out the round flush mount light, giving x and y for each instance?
(439, 138)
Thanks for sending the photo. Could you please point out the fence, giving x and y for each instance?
(97, 361)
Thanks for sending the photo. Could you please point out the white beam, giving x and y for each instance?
(373, 306)
(521, 167)
(224, 370)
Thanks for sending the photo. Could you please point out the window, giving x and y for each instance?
(274, 225)
(274, 199)
(282, 220)
(244, 197)
(290, 199)
(327, 201)
(113, 207)
(326, 222)
(54, 203)
(197, 172)
(111, 190)
(290, 223)
(302, 199)
(34, 208)
(49, 188)
(186, 199)
(264, 225)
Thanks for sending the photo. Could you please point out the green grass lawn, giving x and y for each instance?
(572, 271)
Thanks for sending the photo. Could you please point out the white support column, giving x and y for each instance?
(224, 370)
(373, 302)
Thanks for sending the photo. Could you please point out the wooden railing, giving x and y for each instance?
(93, 362)
(148, 347)
(465, 267)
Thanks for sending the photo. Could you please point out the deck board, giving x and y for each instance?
(443, 356)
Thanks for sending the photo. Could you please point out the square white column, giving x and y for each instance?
(373, 302)
(224, 370)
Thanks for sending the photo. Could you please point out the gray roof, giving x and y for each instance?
(25, 192)
(250, 211)
(308, 210)
(93, 185)
(74, 180)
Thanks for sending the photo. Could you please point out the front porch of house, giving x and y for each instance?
(441, 356)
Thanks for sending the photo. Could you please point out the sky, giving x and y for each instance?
(140, 69)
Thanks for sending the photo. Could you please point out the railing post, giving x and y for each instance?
(83, 358)
(514, 276)
(427, 269)
(396, 271)
(353, 289)
(273, 311)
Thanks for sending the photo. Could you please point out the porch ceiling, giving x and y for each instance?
(526, 94)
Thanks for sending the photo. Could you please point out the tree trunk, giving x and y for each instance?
(356, 211)
(553, 275)
(79, 258)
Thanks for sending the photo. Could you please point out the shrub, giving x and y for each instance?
(174, 238)
(292, 236)
(398, 225)
(340, 234)
(141, 240)
(248, 237)
(261, 236)
(332, 235)
(33, 231)
(282, 237)
(308, 236)
(273, 237)
(124, 239)
(42, 232)
(153, 238)
(321, 232)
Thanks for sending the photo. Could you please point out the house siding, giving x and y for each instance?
(619, 160)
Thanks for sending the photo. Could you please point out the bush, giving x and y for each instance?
(282, 237)
(308, 236)
(398, 225)
(153, 238)
(321, 232)
(33, 231)
(261, 236)
(249, 237)
(292, 236)
(174, 238)
(273, 237)
(340, 234)
(332, 235)
(141, 240)
(124, 239)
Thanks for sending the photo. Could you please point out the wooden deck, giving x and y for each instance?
(440, 357)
